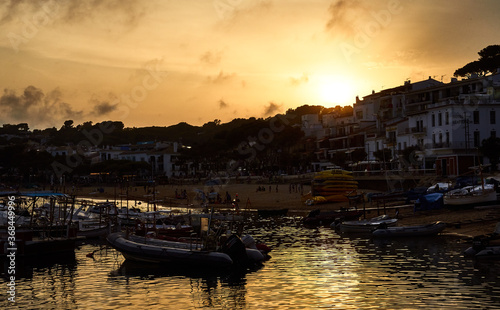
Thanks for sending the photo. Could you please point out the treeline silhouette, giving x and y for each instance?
(278, 143)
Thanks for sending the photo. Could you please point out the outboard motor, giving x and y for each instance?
(235, 248)
(249, 241)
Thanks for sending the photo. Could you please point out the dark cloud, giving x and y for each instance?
(272, 108)
(222, 104)
(35, 107)
(297, 81)
(103, 108)
(103, 104)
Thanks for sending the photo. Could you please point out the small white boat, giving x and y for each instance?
(366, 226)
(93, 229)
(439, 187)
(410, 231)
(471, 195)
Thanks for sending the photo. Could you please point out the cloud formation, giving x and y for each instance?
(43, 110)
(36, 107)
(221, 78)
(272, 108)
(123, 12)
(343, 15)
(104, 108)
(222, 104)
(211, 58)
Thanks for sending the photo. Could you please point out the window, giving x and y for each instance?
(493, 134)
(492, 117)
(440, 121)
(476, 117)
(433, 138)
(447, 118)
(476, 138)
(447, 138)
(433, 120)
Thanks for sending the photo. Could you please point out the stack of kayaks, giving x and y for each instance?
(333, 186)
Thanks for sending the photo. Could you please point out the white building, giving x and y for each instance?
(162, 157)
(447, 122)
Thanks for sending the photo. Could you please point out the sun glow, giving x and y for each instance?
(335, 90)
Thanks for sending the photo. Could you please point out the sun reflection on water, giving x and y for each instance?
(309, 269)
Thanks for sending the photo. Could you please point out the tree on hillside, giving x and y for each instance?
(67, 124)
(488, 62)
(306, 109)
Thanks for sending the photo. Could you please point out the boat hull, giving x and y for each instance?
(364, 226)
(492, 252)
(272, 212)
(154, 253)
(489, 196)
(316, 218)
(410, 231)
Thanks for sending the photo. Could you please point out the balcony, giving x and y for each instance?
(418, 129)
(415, 109)
(450, 145)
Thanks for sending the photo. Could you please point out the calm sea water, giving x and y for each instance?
(309, 269)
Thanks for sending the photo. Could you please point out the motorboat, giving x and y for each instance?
(92, 229)
(326, 218)
(272, 212)
(147, 249)
(471, 195)
(365, 226)
(410, 231)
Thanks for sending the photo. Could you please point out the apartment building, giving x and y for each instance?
(444, 122)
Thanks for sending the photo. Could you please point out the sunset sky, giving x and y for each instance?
(163, 62)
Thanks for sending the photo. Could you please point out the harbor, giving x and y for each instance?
(328, 267)
(234, 154)
(309, 268)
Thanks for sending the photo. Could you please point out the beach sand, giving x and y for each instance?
(463, 223)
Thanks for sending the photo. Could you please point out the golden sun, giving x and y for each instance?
(335, 90)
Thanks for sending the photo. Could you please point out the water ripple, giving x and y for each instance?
(309, 269)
